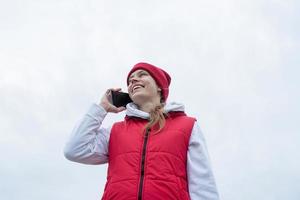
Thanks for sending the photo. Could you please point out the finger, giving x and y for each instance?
(122, 108)
(108, 91)
(114, 109)
(117, 109)
(117, 89)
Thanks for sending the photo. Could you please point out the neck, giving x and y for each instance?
(148, 106)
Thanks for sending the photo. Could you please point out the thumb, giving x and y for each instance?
(122, 108)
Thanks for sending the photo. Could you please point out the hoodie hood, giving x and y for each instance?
(133, 111)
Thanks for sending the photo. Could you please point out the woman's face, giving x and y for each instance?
(142, 87)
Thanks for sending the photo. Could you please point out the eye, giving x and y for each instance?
(139, 75)
(143, 74)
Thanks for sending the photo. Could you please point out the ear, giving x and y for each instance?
(159, 89)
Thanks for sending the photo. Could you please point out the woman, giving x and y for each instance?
(156, 153)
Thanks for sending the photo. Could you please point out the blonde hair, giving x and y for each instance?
(157, 117)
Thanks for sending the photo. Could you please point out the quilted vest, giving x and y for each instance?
(143, 165)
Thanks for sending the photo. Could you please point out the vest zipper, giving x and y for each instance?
(143, 165)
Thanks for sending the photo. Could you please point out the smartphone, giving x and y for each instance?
(120, 98)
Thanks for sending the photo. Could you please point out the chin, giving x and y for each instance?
(139, 98)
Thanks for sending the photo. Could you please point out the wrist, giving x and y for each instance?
(104, 106)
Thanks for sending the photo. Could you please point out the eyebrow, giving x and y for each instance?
(142, 71)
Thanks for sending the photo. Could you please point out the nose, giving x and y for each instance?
(133, 80)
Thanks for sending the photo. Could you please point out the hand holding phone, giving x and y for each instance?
(120, 98)
(111, 101)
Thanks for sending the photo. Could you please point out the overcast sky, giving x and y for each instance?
(234, 64)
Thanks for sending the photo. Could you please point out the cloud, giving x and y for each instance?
(233, 64)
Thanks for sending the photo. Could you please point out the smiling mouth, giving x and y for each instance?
(137, 87)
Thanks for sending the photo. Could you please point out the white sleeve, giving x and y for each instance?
(88, 142)
(201, 182)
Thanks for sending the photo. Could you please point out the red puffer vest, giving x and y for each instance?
(148, 166)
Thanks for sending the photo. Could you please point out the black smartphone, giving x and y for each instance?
(120, 98)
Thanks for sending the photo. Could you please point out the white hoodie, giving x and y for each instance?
(89, 141)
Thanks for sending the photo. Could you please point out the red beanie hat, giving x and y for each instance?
(161, 77)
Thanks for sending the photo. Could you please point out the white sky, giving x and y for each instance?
(234, 64)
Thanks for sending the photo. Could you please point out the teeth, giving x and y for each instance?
(135, 87)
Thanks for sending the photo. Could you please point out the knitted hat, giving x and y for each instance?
(161, 77)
